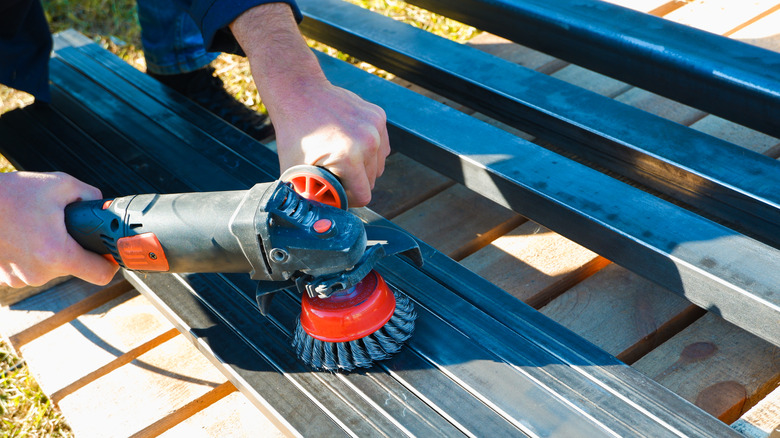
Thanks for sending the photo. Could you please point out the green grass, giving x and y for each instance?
(5, 166)
(24, 410)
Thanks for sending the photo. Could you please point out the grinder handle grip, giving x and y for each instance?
(185, 232)
(84, 221)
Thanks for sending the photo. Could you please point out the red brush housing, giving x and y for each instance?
(349, 314)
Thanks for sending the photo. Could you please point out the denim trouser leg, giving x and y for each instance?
(172, 42)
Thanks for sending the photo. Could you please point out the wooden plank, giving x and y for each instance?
(715, 365)
(622, 313)
(96, 338)
(761, 33)
(650, 6)
(720, 16)
(69, 313)
(591, 80)
(18, 317)
(186, 411)
(441, 221)
(534, 264)
(136, 395)
(124, 359)
(661, 106)
(503, 48)
(737, 134)
(94, 346)
(232, 416)
(762, 419)
(404, 184)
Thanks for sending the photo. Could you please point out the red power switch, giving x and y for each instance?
(142, 252)
(322, 225)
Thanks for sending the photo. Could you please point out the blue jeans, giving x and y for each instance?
(172, 42)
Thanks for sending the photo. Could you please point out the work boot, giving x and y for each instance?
(207, 90)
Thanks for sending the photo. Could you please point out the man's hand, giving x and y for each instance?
(35, 247)
(316, 122)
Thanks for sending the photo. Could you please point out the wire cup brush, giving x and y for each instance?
(357, 325)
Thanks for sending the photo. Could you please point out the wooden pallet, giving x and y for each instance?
(116, 367)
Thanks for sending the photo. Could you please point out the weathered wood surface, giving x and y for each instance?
(761, 419)
(704, 359)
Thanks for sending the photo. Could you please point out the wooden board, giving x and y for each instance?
(232, 416)
(503, 48)
(591, 80)
(96, 338)
(721, 16)
(404, 184)
(715, 365)
(661, 106)
(138, 394)
(655, 7)
(761, 33)
(39, 314)
(622, 313)
(534, 264)
(737, 134)
(455, 233)
(120, 367)
(762, 419)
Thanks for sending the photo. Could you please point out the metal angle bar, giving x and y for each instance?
(223, 347)
(408, 387)
(536, 405)
(667, 58)
(720, 178)
(151, 138)
(714, 267)
(551, 344)
(169, 131)
(119, 149)
(89, 53)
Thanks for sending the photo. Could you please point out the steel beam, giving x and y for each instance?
(734, 80)
(714, 267)
(718, 178)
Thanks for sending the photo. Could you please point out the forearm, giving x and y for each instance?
(316, 122)
(282, 64)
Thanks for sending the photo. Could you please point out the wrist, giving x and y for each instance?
(277, 52)
(283, 65)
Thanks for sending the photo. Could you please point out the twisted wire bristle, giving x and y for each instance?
(359, 353)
